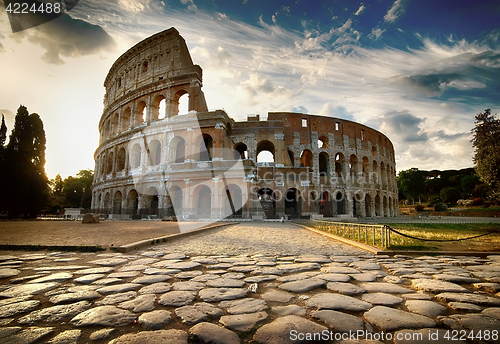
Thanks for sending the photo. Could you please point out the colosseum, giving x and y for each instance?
(156, 160)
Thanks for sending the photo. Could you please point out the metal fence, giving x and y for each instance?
(372, 234)
(430, 219)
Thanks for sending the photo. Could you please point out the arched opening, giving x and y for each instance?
(292, 203)
(291, 157)
(323, 142)
(206, 148)
(306, 158)
(107, 204)
(378, 206)
(240, 151)
(181, 102)
(265, 151)
(115, 123)
(132, 202)
(176, 196)
(353, 165)
(135, 156)
(368, 205)
(382, 176)
(177, 150)
(109, 164)
(325, 204)
(158, 106)
(267, 200)
(117, 203)
(203, 201)
(385, 209)
(126, 118)
(233, 201)
(340, 200)
(140, 113)
(151, 200)
(339, 161)
(324, 164)
(154, 152)
(120, 163)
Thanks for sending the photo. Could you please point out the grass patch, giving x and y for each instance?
(446, 231)
(430, 231)
(481, 209)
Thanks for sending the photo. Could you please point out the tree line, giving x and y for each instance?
(480, 183)
(25, 191)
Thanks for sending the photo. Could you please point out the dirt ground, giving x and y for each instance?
(66, 233)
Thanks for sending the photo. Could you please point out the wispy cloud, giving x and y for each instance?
(394, 12)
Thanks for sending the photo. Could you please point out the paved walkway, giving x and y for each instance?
(262, 282)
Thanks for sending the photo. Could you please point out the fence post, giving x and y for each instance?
(366, 234)
(373, 235)
(382, 236)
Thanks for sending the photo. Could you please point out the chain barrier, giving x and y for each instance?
(412, 237)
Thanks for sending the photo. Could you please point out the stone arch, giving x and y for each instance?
(177, 150)
(151, 199)
(325, 204)
(202, 196)
(154, 152)
(369, 206)
(204, 142)
(340, 202)
(115, 123)
(176, 197)
(132, 201)
(292, 203)
(182, 93)
(382, 176)
(339, 161)
(126, 117)
(120, 159)
(267, 200)
(233, 200)
(324, 164)
(135, 156)
(265, 146)
(140, 113)
(106, 203)
(306, 158)
(323, 142)
(117, 203)
(109, 163)
(385, 207)
(353, 164)
(158, 102)
(378, 206)
(240, 151)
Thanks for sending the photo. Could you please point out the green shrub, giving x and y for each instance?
(440, 207)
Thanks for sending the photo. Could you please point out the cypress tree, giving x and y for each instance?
(24, 166)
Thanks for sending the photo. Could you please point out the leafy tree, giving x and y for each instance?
(411, 183)
(24, 166)
(468, 183)
(486, 142)
(450, 194)
(77, 190)
(57, 185)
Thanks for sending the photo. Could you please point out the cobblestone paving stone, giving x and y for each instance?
(261, 282)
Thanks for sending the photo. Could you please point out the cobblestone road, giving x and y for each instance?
(262, 282)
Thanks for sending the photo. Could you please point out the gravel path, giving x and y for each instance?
(260, 238)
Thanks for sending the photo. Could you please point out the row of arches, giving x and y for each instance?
(175, 202)
(152, 154)
(141, 112)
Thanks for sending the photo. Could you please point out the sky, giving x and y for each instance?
(417, 70)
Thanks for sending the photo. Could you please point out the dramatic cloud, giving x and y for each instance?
(69, 37)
